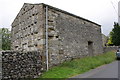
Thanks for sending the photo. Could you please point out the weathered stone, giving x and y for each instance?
(17, 65)
(69, 36)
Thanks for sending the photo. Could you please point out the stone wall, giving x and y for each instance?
(71, 37)
(110, 48)
(105, 40)
(16, 64)
(28, 28)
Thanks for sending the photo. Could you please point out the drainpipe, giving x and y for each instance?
(46, 40)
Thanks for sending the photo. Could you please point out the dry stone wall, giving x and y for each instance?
(110, 48)
(17, 65)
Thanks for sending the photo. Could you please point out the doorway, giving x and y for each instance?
(90, 48)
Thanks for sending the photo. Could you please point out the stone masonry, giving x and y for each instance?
(18, 65)
(69, 36)
(110, 48)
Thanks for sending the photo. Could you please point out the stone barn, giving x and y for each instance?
(57, 34)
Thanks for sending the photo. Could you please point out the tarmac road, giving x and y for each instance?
(105, 71)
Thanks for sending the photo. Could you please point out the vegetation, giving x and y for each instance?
(114, 38)
(5, 40)
(78, 66)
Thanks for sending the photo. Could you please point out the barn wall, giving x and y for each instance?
(72, 37)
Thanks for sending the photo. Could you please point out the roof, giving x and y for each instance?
(62, 12)
(68, 13)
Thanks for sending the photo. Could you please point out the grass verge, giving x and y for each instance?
(78, 66)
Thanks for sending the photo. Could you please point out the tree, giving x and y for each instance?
(114, 38)
(5, 39)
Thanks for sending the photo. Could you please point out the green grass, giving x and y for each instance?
(78, 66)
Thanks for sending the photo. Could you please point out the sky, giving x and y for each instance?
(103, 12)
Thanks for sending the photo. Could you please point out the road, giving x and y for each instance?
(105, 71)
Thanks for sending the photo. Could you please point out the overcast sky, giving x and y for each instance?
(98, 11)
